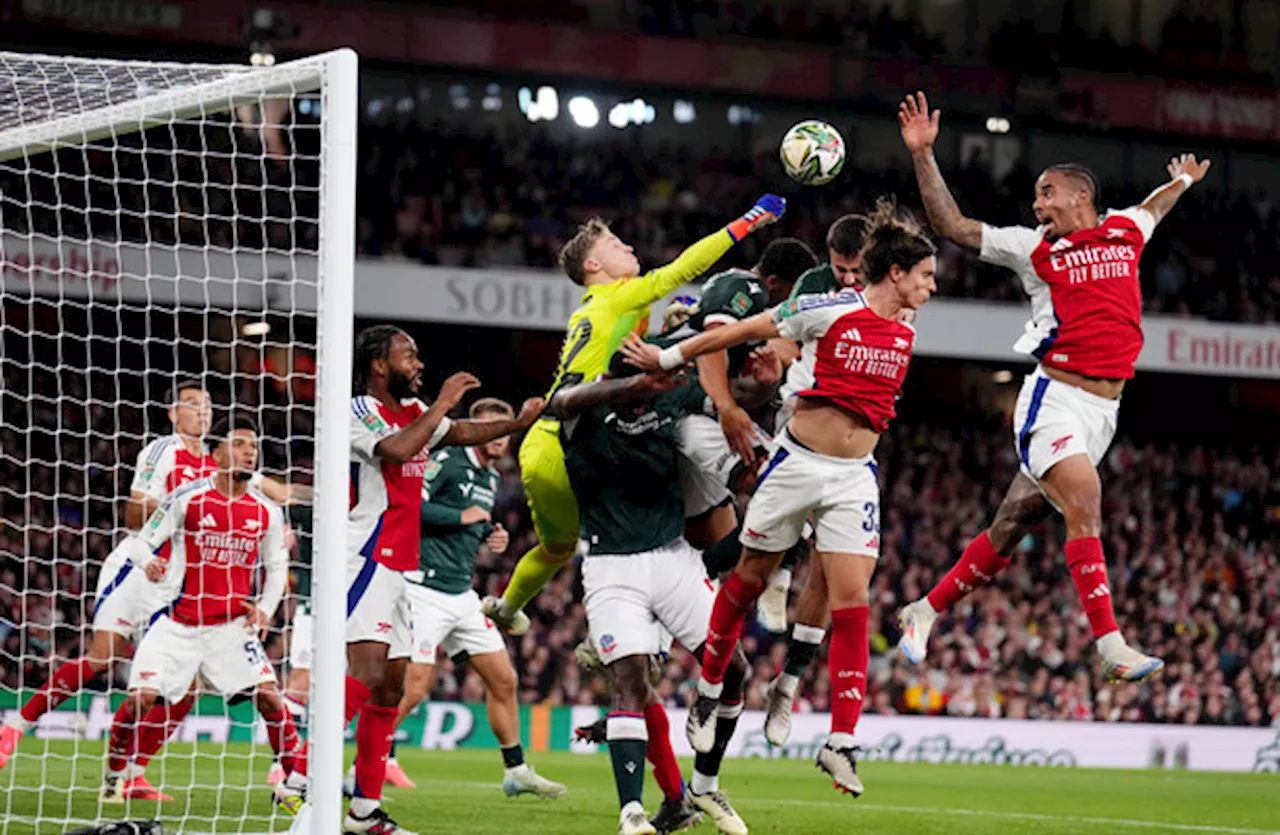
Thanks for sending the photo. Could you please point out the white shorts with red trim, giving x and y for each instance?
(226, 655)
(450, 622)
(637, 602)
(1054, 420)
(378, 607)
(301, 640)
(840, 495)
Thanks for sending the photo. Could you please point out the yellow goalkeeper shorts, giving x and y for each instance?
(546, 484)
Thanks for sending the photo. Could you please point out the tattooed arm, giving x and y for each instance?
(919, 130)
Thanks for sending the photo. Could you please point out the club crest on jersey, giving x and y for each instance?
(1115, 233)
(608, 644)
(740, 303)
(252, 524)
(900, 343)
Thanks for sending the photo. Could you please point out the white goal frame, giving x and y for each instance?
(336, 75)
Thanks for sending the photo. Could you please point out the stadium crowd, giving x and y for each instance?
(506, 201)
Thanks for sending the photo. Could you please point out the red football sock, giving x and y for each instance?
(158, 725)
(1089, 572)
(847, 657)
(357, 694)
(373, 744)
(123, 738)
(727, 617)
(976, 567)
(300, 758)
(283, 735)
(666, 771)
(65, 682)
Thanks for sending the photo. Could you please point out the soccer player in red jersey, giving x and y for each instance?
(392, 434)
(217, 530)
(1080, 269)
(824, 468)
(125, 601)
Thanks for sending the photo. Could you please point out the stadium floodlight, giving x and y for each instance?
(544, 105)
(684, 112)
(998, 124)
(584, 112)
(127, 255)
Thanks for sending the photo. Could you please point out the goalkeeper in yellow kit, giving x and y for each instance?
(616, 303)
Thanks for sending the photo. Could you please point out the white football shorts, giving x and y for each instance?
(706, 463)
(450, 622)
(126, 602)
(302, 641)
(378, 606)
(634, 600)
(1054, 420)
(840, 495)
(227, 656)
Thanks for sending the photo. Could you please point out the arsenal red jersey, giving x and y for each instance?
(861, 358)
(386, 498)
(216, 544)
(1086, 301)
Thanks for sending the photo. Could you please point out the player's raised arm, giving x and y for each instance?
(919, 130)
(400, 446)
(644, 355)
(1184, 172)
(283, 493)
(698, 258)
(476, 432)
(573, 400)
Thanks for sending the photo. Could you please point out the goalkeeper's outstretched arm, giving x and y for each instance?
(698, 258)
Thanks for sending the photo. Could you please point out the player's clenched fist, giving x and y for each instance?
(530, 411)
(155, 570)
(768, 209)
(498, 540)
(455, 387)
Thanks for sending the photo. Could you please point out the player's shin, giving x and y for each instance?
(706, 767)
(124, 736)
(65, 682)
(373, 743)
(357, 694)
(977, 566)
(727, 616)
(1089, 573)
(160, 723)
(628, 741)
(666, 770)
(847, 659)
(533, 571)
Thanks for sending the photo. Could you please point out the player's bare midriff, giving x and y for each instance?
(1101, 386)
(831, 430)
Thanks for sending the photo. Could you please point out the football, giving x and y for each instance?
(812, 153)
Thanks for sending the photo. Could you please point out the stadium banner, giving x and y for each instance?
(447, 726)
(157, 275)
(537, 300)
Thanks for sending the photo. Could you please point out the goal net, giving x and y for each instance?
(164, 225)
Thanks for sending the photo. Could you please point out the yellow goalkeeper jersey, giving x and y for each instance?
(609, 312)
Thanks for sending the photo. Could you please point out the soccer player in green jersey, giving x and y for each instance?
(845, 239)
(640, 575)
(459, 489)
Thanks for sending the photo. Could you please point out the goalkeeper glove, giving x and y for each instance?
(766, 210)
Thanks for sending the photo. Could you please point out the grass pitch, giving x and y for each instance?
(50, 787)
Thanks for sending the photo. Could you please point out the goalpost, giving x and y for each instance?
(159, 222)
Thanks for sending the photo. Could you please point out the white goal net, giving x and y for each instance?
(167, 232)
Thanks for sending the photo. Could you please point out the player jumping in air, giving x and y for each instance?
(615, 303)
(125, 602)
(843, 270)
(218, 529)
(641, 577)
(824, 468)
(392, 433)
(1080, 269)
(457, 506)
